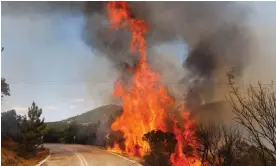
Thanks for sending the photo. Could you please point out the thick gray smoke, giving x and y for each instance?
(216, 33)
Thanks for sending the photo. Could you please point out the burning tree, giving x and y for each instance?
(162, 145)
(256, 112)
(145, 99)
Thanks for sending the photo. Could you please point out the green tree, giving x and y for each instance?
(31, 131)
(70, 133)
(5, 88)
(52, 135)
(9, 126)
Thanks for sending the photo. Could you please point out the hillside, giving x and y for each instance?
(102, 114)
(218, 111)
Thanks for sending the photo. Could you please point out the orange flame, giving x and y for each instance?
(145, 100)
(116, 148)
(184, 137)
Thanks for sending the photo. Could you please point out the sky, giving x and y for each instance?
(45, 60)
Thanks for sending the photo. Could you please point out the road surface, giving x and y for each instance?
(83, 155)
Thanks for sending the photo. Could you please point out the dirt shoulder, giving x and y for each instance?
(9, 156)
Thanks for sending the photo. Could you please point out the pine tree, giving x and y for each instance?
(31, 131)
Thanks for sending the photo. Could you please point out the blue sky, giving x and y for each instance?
(46, 61)
(43, 62)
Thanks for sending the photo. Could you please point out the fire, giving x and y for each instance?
(145, 100)
(178, 158)
(116, 148)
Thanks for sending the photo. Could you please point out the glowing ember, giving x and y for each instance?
(145, 100)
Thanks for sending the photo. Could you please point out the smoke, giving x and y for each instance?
(216, 33)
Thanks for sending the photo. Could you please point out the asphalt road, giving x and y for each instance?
(83, 155)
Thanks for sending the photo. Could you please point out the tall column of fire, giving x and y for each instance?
(145, 99)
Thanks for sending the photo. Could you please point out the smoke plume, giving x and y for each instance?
(216, 33)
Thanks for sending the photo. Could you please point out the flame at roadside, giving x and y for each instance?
(145, 99)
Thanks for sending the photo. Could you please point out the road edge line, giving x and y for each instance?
(82, 158)
(77, 154)
(134, 162)
(41, 162)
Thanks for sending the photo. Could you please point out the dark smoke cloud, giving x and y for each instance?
(216, 33)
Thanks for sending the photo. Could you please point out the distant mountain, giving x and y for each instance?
(103, 114)
(218, 111)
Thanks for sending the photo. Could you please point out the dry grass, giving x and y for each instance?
(9, 156)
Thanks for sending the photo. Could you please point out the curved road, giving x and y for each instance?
(83, 155)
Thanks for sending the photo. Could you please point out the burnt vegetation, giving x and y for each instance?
(249, 141)
(162, 145)
(255, 111)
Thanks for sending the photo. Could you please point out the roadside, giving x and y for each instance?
(124, 155)
(9, 155)
(133, 159)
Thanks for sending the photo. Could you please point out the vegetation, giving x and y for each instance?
(5, 88)
(31, 131)
(21, 137)
(90, 128)
(255, 111)
(21, 134)
(251, 141)
(82, 133)
(9, 127)
(162, 145)
(103, 113)
(10, 157)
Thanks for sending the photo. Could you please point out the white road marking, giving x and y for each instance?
(43, 161)
(85, 162)
(82, 158)
(134, 162)
(81, 161)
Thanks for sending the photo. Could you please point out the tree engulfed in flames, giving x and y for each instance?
(145, 100)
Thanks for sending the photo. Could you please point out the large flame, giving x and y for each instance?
(145, 99)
